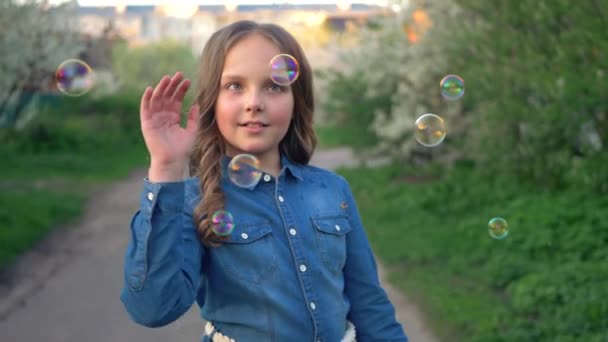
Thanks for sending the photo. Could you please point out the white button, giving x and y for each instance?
(266, 178)
(292, 231)
(337, 228)
(313, 305)
(244, 235)
(150, 196)
(281, 198)
(303, 268)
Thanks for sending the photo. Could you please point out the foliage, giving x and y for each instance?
(547, 281)
(141, 66)
(538, 102)
(33, 41)
(535, 103)
(390, 79)
(74, 124)
(50, 165)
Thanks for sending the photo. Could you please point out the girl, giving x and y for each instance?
(298, 264)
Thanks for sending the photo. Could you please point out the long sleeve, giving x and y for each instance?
(371, 311)
(162, 271)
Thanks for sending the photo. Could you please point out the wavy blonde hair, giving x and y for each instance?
(298, 143)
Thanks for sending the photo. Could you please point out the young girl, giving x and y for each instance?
(298, 265)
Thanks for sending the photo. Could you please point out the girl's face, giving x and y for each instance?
(252, 112)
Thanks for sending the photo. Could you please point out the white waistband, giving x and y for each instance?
(210, 330)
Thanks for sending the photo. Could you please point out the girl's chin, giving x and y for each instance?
(255, 150)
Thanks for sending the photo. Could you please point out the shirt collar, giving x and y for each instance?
(291, 168)
(294, 169)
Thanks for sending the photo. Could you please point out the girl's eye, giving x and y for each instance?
(275, 88)
(233, 86)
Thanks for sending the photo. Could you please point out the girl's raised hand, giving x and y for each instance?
(168, 143)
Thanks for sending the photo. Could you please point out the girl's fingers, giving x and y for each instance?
(175, 81)
(144, 106)
(180, 92)
(157, 101)
(193, 116)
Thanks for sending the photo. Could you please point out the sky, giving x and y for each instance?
(212, 2)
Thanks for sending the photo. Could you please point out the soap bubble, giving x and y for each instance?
(222, 223)
(244, 170)
(452, 87)
(430, 130)
(284, 69)
(74, 77)
(498, 228)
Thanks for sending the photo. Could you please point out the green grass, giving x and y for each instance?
(39, 192)
(547, 281)
(105, 163)
(50, 168)
(28, 214)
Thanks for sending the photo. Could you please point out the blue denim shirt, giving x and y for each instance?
(297, 266)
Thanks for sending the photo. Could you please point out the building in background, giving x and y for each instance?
(194, 25)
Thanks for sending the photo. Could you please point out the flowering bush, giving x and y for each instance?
(400, 62)
(534, 75)
(34, 41)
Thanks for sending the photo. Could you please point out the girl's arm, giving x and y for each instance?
(164, 256)
(371, 311)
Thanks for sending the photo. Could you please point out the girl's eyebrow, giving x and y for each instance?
(233, 77)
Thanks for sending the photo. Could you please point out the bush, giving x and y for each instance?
(534, 73)
(77, 124)
(547, 281)
(139, 67)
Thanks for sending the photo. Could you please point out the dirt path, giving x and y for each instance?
(66, 289)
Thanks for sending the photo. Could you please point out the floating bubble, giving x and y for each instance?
(222, 223)
(74, 77)
(284, 69)
(430, 130)
(452, 87)
(244, 170)
(498, 228)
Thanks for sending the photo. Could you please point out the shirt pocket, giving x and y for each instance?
(331, 240)
(249, 253)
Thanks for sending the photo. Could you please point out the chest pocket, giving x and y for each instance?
(249, 253)
(331, 240)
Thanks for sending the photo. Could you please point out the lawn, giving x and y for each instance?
(547, 281)
(50, 168)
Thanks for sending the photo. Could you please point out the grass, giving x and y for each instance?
(50, 168)
(40, 192)
(547, 281)
(28, 214)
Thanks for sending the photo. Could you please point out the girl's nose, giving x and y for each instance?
(255, 103)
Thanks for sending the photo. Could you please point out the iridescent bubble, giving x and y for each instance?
(284, 69)
(74, 77)
(244, 170)
(452, 87)
(430, 130)
(498, 228)
(222, 223)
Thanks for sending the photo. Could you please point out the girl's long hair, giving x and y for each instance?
(298, 144)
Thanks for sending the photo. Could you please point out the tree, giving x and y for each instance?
(137, 67)
(34, 40)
